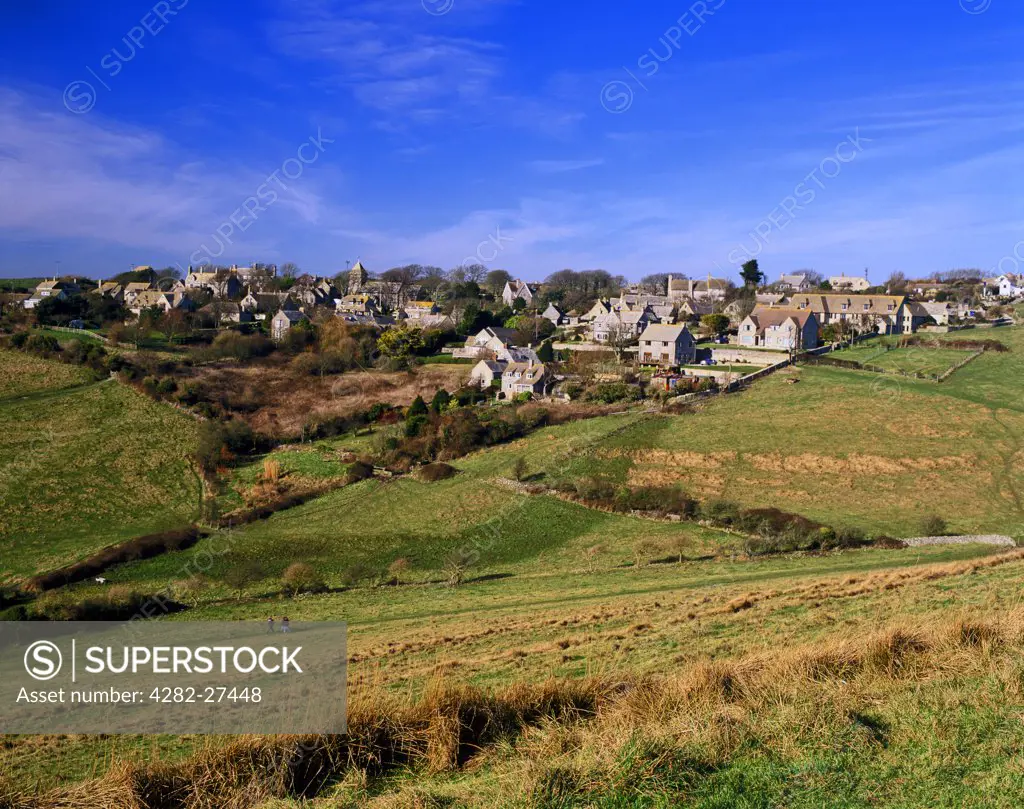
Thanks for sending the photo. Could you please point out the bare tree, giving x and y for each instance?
(896, 283)
(400, 281)
(620, 337)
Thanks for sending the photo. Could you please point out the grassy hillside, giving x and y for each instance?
(24, 374)
(19, 284)
(581, 664)
(849, 679)
(86, 466)
(478, 510)
(848, 447)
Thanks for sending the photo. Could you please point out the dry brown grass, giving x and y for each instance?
(271, 470)
(280, 401)
(713, 703)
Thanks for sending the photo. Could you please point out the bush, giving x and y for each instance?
(611, 392)
(596, 490)
(440, 401)
(115, 603)
(42, 344)
(242, 573)
(377, 410)
(359, 572)
(721, 512)
(414, 425)
(143, 547)
(657, 499)
(889, 543)
(933, 526)
(417, 408)
(436, 471)
(300, 577)
(360, 470)
(234, 345)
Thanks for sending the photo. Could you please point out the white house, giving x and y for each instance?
(1005, 286)
(625, 324)
(283, 321)
(554, 314)
(783, 328)
(708, 289)
(851, 283)
(165, 301)
(667, 345)
(47, 289)
(522, 377)
(485, 372)
(518, 289)
(794, 283)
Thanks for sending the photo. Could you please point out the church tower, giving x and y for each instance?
(357, 278)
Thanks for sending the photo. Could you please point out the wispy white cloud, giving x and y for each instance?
(87, 177)
(408, 69)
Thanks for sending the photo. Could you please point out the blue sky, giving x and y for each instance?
(531, 136)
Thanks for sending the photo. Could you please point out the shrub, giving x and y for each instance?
(305, 364)
(415, 424)
(112, 604)
(440, 401)
(42, 344)
(595, 490)
(377, 409)
(243, 573)
(166, 386)
(658, 499)
(300, 577)
(889, 543)
(850, 538)
(933, 526)
(232, 344)
(456, 566)
(417, 408)
(437, 471)
(520, 468)
(360, 470)
(611, 392)
(398, 568)
(359, 572)
(143, 547)
(722, 512)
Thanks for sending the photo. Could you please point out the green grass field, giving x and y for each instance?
(903, 360)
(848, 447)
(558, 593)
(85, 465)
(19, 284)
(23, 375)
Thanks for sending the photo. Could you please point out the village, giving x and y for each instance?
(683, 334)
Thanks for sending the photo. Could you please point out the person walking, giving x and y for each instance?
(270, 625)
(284, 624)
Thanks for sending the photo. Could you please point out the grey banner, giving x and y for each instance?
(172, 677)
